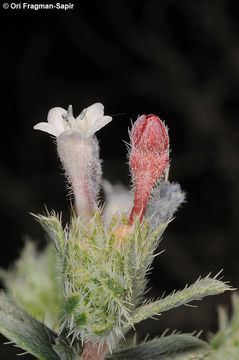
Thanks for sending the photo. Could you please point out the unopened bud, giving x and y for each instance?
(148, 159)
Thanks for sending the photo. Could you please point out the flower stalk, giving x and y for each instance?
(93, 352)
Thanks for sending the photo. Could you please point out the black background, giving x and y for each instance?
(177, 59)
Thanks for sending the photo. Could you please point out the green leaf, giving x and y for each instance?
(225, 344)
(52, 225)
(186, 355)
(201, 288)
(30, 334)
(31, 279)
(182, 346)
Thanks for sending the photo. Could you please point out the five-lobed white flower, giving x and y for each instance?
(78, 150)
(87, 123)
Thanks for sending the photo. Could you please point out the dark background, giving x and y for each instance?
(177, 59)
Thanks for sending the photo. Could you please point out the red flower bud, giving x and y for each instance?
(148, 159)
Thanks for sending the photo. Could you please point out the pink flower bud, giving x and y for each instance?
(148, 159)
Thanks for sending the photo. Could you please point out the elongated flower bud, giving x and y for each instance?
(148, 159)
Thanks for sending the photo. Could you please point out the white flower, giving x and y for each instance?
(87, 123)
(78, 151)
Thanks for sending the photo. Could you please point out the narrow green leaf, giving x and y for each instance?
(186, 355)
(181, 346)
(52, 225)
(201, 288)
(28, 333)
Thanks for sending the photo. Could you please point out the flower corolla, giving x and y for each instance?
(87, 123)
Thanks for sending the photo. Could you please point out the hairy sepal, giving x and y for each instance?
(103, 277)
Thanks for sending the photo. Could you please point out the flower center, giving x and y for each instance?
(70, 121)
